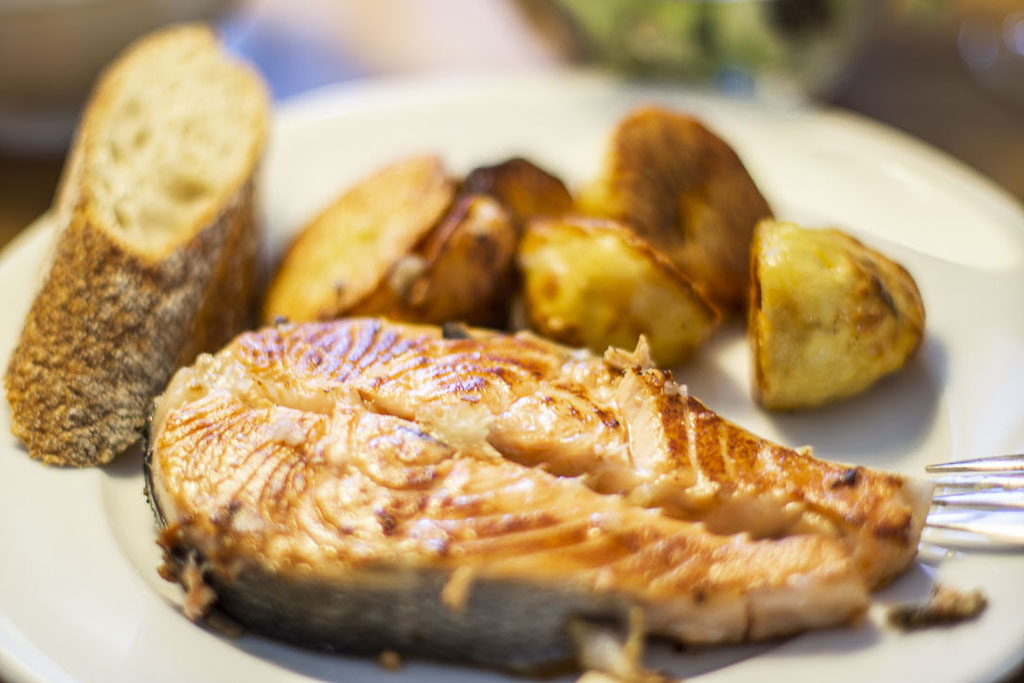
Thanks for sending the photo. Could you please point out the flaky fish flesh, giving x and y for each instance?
(361, 485)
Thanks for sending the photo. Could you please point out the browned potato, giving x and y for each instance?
(525, 189)
(827, 316)
(591, 282)
(348, 250)
(463, 271)
(683, 189)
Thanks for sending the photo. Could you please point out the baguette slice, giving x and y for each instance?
(158, 255)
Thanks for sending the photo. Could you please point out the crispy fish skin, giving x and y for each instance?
(361, 485)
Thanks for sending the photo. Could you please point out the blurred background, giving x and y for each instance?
(950, 72)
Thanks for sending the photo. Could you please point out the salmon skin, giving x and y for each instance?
(362, 485)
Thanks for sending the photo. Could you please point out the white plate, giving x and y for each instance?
(79, 595)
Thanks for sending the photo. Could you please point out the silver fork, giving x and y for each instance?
(983, 497)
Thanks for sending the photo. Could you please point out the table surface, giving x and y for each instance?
(910, 77)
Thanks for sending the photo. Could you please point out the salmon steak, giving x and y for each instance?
(361, 485)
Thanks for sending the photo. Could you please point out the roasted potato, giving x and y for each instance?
(592, 282)
(524, 188)
(349, 249)
(685, 191)
(827, 315)
(462, 272)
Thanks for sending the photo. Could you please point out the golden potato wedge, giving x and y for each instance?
(348, 250)
(524, 188)
(462, 271)
(684, 190)
(592, 282)
(827, 316)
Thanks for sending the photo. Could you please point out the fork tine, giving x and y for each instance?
(994, 499)
(1004, 533)
(974, 480)
(999, 463)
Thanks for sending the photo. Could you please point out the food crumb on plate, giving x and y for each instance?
(945, 606)
(390, 660)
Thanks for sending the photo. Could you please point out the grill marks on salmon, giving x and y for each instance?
(365, 485)
(702, 467)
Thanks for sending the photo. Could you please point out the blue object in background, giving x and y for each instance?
(294, 55)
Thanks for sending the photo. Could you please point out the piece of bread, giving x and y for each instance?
(158, 255)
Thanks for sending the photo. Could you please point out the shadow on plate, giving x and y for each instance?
(684, 663)
(717, 374)
(330, 666)
(914, 586)
(661, 656)
(127, 464)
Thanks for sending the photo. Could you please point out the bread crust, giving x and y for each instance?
(108, 329)
(111, 324)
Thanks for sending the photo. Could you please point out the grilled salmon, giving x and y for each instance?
(363, 485)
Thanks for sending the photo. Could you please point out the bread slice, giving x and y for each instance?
(158, 255)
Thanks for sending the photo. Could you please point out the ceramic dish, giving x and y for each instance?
(79, 595)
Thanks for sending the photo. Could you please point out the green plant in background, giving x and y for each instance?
(803, 40)
(926, 9)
